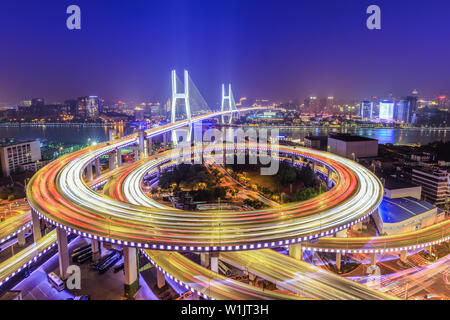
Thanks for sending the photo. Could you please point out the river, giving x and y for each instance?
(80, 135)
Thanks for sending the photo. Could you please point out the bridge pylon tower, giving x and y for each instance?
(227, 103)
(183, 96)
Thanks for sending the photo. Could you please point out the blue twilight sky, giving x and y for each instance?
(277, 49)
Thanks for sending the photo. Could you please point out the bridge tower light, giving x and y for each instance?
(184, 96)
(230, 102)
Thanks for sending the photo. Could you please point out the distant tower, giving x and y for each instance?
(184, 96)
(230, 102)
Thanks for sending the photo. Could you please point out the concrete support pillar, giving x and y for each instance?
(36, 226)
(158, 171)
(293, 159)
(141, 144)
(314, 166)
(119, 158)
(404, 256)
(112, 160)
(137, 154)
(150, 147)
(130, 260)
(296, 252)
(338, 260)
(89, 173)
(63, 252)
(97, 167)
(373, 259)
(96, 250)
(204, 259)
(160, 279)
(165, 141)
(21, 238)
(214, 262)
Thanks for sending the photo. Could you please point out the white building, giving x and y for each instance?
(402, 215)
(352, 147)
(13, 155)
(395, 188)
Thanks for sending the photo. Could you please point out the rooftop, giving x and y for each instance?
(394, 183)
(316, 138)
(349, 137)
(400, 209)
(8, 144)
(431, 170)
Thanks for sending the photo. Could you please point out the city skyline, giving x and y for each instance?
(230, 151)
(319, 49)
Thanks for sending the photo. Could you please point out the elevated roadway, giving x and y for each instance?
(287, 273)
(59, 194)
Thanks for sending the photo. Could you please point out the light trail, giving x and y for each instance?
(408, 282)
(12, 226)
(190, 275)
(287, 273)
(421, 238)
(26, 257)
(69, 202)
(59, 194)
(207, 283)
(300, 277)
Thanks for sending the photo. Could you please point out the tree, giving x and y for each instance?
(287, 173)
(305, 194)
(308, 177)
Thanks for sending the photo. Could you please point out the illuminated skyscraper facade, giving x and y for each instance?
(386, 110)
(405, 109)
(367, 110)
(89, 107)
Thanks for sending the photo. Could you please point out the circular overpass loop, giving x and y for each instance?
(59, 194)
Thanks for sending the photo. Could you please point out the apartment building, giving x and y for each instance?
(15, 155)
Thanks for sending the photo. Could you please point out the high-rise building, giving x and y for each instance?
(330, 105)
(71, 106)
(434, 184)
(405, 110)
(89, 107)
(367, 110)
(139, 114)
(25, 103)
(401, 112)
(13, 155)
(387, 110)
(443, 102)
(322, 105)
(312, 105)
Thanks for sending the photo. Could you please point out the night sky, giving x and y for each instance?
(267, 49)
